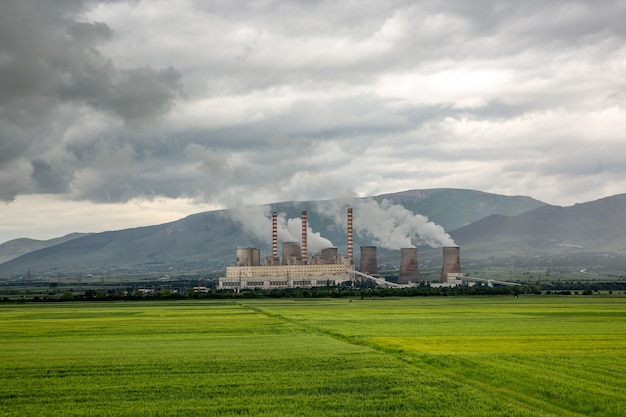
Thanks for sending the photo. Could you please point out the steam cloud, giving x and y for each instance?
(392, 226)
(257, 221)
(388, 225)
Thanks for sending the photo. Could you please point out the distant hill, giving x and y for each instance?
(594, 227)
(207, 241)
(18, 247)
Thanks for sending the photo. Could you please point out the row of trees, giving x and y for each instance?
(316, 292)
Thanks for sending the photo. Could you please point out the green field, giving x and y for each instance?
(443, 356)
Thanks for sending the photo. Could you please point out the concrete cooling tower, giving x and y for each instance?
(451, 262)
(291, 253)
(248, 257)
(369, 265)
(409, 271)
(330, 255)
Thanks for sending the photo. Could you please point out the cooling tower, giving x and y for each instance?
(368, 260)
(291, 251)
(451, 262)
(248, 257)
(409, 271)
(330, 255)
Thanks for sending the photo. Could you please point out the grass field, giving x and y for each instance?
(444, 356)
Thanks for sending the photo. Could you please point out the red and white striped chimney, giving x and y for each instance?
(305, 256)
(275, 235)
(350, 247)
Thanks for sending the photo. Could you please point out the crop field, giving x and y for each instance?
(422, 356)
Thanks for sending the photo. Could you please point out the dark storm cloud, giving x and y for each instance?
(139, 95)
(50, 62)
(49, 179)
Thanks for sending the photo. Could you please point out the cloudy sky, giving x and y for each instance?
(117, 114)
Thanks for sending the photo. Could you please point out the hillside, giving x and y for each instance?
(593, 227)
(207, 241)
(18, 247)
(453, 208)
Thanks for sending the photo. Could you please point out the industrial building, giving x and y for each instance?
(296, 269)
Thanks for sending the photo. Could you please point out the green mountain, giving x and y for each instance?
(207, 241)
(596, 227)
(453, 208)
(18, 247)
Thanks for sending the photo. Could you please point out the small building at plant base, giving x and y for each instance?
(453, 279)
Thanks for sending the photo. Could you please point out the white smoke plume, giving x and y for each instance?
(290, 230)
(257, 221)
(392, 226)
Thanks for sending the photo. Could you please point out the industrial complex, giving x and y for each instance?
(297, 269)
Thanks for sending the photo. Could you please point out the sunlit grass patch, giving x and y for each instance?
(535, 344)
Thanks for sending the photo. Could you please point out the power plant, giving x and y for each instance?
(329, 268)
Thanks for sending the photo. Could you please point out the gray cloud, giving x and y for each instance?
(47, 178)
(51, 67)
(230, 102)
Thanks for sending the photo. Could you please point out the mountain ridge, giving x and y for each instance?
(17, 247)
(550, 230)
(207, 241)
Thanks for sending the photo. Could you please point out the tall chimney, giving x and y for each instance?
(369, 265)
(350, 243)
(305, 254)
(274, 235)
(409, 271)
(451, 262)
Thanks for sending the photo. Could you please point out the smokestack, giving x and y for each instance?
(409, 271)
(274, 235)
(451, 262)
(350, 245)
(305, 256)
(369, 265)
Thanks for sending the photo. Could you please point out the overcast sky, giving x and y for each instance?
(117, 114)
